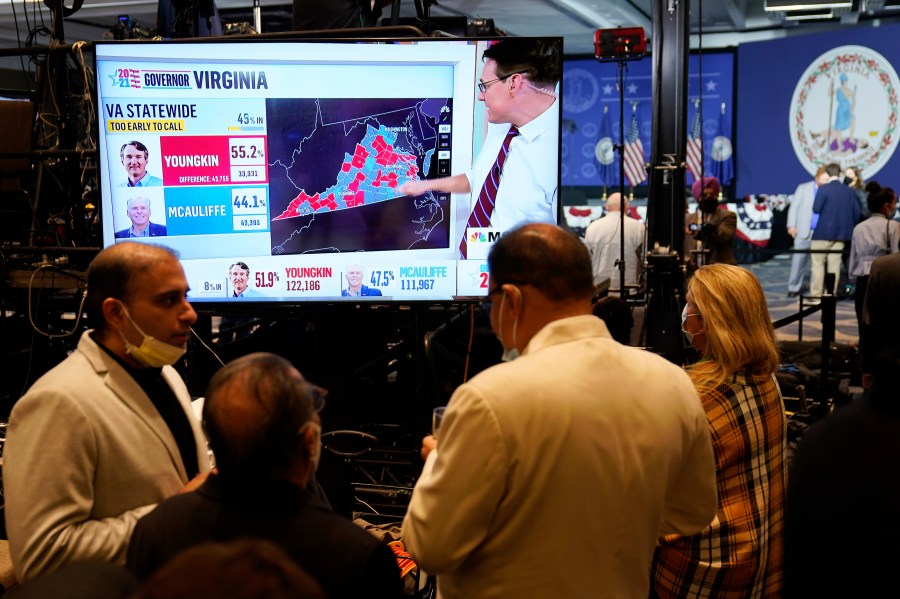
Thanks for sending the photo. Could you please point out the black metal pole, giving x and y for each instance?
(666, 202)
(58, 73)
(828, 389)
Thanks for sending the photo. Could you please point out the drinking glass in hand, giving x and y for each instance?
(436, 416)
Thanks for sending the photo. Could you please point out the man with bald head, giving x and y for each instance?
(556, 472)
(100, 439)
(263, 425)
(603, 240)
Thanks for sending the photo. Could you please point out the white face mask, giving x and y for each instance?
(316, 453)
(684, 317)
(512, 353)
(152, 352)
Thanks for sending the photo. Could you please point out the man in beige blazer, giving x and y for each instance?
(555, 474)
(105, 435)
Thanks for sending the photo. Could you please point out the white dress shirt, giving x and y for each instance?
(529, 183)
(602, 240)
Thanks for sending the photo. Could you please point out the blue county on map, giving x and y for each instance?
(335, 165)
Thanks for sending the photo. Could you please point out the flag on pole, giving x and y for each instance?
(635, 163)
(723, 164)
(694, 153)
(605, 152)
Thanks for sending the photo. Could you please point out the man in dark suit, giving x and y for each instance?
(139, 214)
(262, 422)
(355, 288)
(835, 213)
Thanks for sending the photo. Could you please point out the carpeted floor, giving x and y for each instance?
(773, 274)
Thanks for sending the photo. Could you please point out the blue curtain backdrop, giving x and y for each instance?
(589, 86)
(768, 73)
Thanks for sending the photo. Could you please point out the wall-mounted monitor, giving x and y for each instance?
(273, 167)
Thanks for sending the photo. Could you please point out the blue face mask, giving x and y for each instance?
(512, 353)
(684, 317)
(316, 452)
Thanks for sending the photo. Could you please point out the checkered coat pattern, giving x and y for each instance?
(740, 553)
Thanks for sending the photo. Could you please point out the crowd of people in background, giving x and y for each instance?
(847, 224)
(602, 469)
(579, 466)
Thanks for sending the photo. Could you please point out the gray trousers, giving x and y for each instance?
(799, 265)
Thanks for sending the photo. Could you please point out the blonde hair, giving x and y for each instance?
(739, 333)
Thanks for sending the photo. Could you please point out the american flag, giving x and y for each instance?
(694, 146)
(635, 164)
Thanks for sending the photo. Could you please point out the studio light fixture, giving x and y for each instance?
(805, 5)
(810, 15)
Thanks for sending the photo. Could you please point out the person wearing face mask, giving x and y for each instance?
(262, 419)
(557, 471)
(717, 226)
(854, 180)
(108, 433)
(837, 212)
(739, 553)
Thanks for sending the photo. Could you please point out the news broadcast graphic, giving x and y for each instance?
(285, 158)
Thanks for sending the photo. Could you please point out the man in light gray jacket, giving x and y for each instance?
(800, 229)
(103, 437)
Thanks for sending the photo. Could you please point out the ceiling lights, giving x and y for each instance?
(805, 5)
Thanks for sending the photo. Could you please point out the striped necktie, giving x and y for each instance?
(484, 207)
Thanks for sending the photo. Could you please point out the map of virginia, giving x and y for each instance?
(335, 165)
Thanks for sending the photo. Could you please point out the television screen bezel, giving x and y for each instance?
(275, 303)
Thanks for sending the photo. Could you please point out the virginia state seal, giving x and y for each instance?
(845, 109)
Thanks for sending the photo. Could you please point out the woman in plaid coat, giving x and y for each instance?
(740, 553)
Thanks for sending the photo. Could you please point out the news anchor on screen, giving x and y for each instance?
(515, 177)
(239, 273)
(138, 209)
(355, 288)
(134, 156)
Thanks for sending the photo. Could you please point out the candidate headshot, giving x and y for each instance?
(138, 210)
(239, 273)
(134, 156)
(355, 288)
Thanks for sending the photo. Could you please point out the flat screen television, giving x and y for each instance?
(279, 161)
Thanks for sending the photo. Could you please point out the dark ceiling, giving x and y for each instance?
(723, 22)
